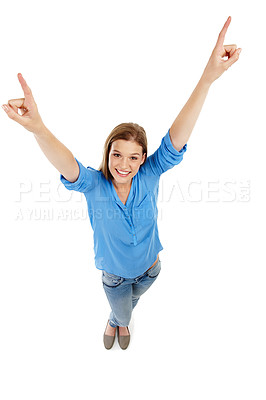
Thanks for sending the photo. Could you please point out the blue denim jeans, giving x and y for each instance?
(124, 293)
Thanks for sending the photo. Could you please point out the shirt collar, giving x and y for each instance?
(130, 196)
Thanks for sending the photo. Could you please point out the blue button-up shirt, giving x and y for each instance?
(126, 239)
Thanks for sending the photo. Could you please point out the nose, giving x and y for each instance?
(124, 164)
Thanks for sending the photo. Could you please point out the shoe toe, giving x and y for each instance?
(108, 341)
(123, 340)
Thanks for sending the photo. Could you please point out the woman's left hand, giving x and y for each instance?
(216, 65)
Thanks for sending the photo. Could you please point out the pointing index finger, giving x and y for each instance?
(221, 36)
(24, 86)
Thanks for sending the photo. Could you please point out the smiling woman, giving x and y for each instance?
(122, 194)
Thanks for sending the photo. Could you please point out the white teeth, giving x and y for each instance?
(122, 173)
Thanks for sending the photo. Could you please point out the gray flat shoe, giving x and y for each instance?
(108, 340)
(123, 340)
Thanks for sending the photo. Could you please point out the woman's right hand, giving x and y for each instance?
(30, 118)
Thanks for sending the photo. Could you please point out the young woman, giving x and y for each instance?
(122, 194)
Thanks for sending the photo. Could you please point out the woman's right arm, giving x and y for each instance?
(56, 152)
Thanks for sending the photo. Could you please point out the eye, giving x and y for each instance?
(133, 158)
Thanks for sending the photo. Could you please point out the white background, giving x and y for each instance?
(200, 330)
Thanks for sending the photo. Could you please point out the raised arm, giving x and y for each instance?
(184, 123)
(56, 152)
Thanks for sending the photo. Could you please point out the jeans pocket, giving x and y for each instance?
(111, 280)
(155, 270)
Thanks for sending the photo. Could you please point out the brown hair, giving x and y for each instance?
(127, 131)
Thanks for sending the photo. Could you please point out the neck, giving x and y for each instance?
(122, 187)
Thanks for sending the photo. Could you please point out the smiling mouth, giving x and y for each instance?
(122, 174)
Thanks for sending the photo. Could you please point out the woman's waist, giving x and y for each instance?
(154, 263)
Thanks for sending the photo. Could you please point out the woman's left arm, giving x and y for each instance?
(184, 123)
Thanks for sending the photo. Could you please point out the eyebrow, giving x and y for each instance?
(131, 153)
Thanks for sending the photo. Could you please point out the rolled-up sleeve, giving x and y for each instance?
(164, 158)
(87, 179)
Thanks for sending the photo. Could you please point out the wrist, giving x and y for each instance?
(205, 82)
(40, 130)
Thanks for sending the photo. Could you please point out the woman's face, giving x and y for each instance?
(125, 158)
